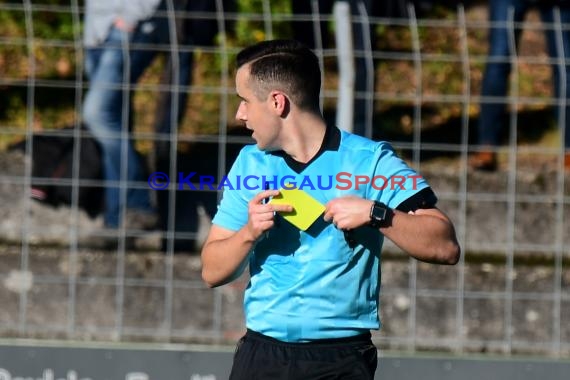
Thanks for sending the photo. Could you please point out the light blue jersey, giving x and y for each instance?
(308, 285)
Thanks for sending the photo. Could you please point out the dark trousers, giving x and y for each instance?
(259, 357)
(502, 34)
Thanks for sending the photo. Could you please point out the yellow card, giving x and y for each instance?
(306, 208)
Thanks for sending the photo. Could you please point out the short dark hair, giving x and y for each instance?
(287, 65)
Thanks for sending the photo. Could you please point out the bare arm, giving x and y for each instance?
(427, 234)
(225, 252)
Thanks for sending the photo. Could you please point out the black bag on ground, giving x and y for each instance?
(52, 170)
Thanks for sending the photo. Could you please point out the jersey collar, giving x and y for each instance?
(331, 141)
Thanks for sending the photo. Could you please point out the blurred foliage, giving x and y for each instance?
(250, 29)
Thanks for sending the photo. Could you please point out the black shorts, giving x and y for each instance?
(259, 357)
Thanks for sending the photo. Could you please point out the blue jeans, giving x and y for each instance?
(495, 79)
(112, 69)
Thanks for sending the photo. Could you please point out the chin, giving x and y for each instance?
(263, 145)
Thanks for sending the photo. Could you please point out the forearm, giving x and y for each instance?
(224, 255)
(225, 259)
(424, 236)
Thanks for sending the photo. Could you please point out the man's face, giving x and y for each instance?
(257, 114)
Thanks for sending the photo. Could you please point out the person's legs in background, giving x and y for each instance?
(364, 82)
(106, 113)
(170, 102)
(502, 15)
(171, 105)
(191, 33)
(304, 31)
(558, 43)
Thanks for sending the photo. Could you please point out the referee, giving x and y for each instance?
(313, 294)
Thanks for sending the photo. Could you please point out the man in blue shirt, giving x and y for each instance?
(313, 294)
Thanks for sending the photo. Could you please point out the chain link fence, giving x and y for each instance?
(509, 294)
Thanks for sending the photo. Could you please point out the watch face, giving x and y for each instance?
(379, 212)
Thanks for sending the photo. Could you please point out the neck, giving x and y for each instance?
(305, 136)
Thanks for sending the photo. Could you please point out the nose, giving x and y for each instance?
(240, 113)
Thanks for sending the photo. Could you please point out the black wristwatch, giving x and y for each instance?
(380, 215)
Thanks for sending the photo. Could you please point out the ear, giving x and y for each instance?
(279, 102)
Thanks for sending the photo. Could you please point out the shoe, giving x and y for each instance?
(484, 160)
(141, 220)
